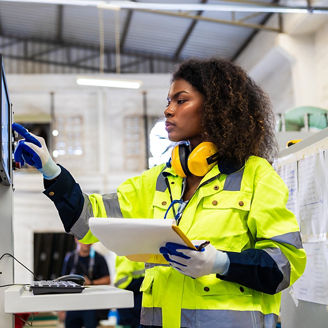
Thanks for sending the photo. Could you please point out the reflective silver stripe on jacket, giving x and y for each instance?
(227, 319)
(213, 318)
(134, 274)
(233, 181)
(112, 206)
(161, 183)
(81, 226)
(152, 265)
(291, 238)
(283, 265)
(151, 316)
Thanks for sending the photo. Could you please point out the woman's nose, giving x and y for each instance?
(169, 110)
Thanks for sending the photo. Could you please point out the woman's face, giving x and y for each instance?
(183, 112)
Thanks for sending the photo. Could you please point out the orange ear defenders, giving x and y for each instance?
(197, 162)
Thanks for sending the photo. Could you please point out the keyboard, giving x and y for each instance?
(55, 287)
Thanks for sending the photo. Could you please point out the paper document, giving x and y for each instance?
(312, 286)
(288, 173)
(138, 239)
(313, 198)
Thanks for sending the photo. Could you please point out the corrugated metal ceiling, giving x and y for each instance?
(147, 33)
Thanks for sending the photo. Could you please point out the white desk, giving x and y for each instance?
(19, 299)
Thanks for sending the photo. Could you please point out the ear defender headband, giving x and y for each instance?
(198, 162)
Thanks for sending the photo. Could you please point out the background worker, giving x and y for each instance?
(85, 261)
(227, 191)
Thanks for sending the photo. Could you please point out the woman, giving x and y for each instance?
(227, 192)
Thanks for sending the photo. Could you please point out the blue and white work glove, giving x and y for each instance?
(196, 263)
(33, 150)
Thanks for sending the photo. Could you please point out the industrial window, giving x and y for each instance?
(68, 139)
(136, 158)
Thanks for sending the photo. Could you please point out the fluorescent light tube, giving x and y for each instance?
(109, 83)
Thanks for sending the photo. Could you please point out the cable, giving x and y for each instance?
(8, 254)
(29, 321)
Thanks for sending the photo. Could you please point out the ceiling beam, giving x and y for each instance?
(212, 20)
(248, 17)
(242, 7)
(254, 33)
(126, 28)
(187, 34)
(59, 33)
(46, 51)
(81, 67)
(81, 60)
(132, 63)
(133, 58)
(57, 63)
(248, 2)
(309, 4)
(86, 46)
(10, 43)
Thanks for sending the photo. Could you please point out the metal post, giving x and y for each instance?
(52, 122)
(281, 123)
(307, 122)
(145, 120)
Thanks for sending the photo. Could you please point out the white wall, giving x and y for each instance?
(291, 66)
(99, 169)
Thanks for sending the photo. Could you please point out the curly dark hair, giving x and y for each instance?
(237, 116)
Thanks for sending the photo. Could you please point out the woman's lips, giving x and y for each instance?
(169, 126)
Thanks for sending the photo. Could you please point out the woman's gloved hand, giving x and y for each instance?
(33, 150)
(196, 263)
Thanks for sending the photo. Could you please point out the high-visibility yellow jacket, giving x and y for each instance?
(127, 270)
(243, 214)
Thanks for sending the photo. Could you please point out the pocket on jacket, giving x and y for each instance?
(147, 284)
(237, 200)
(226, 212)
(160, 205)
(210, 286)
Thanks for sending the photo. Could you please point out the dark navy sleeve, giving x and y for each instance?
(253, 268)
(67, 197)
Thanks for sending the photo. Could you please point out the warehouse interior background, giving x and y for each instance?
(105, 135)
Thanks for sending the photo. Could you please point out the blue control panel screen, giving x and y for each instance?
(6, 140)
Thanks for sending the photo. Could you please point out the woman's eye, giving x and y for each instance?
(181, 101)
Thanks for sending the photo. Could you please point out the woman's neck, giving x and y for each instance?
(194, 142)
(192, 182)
